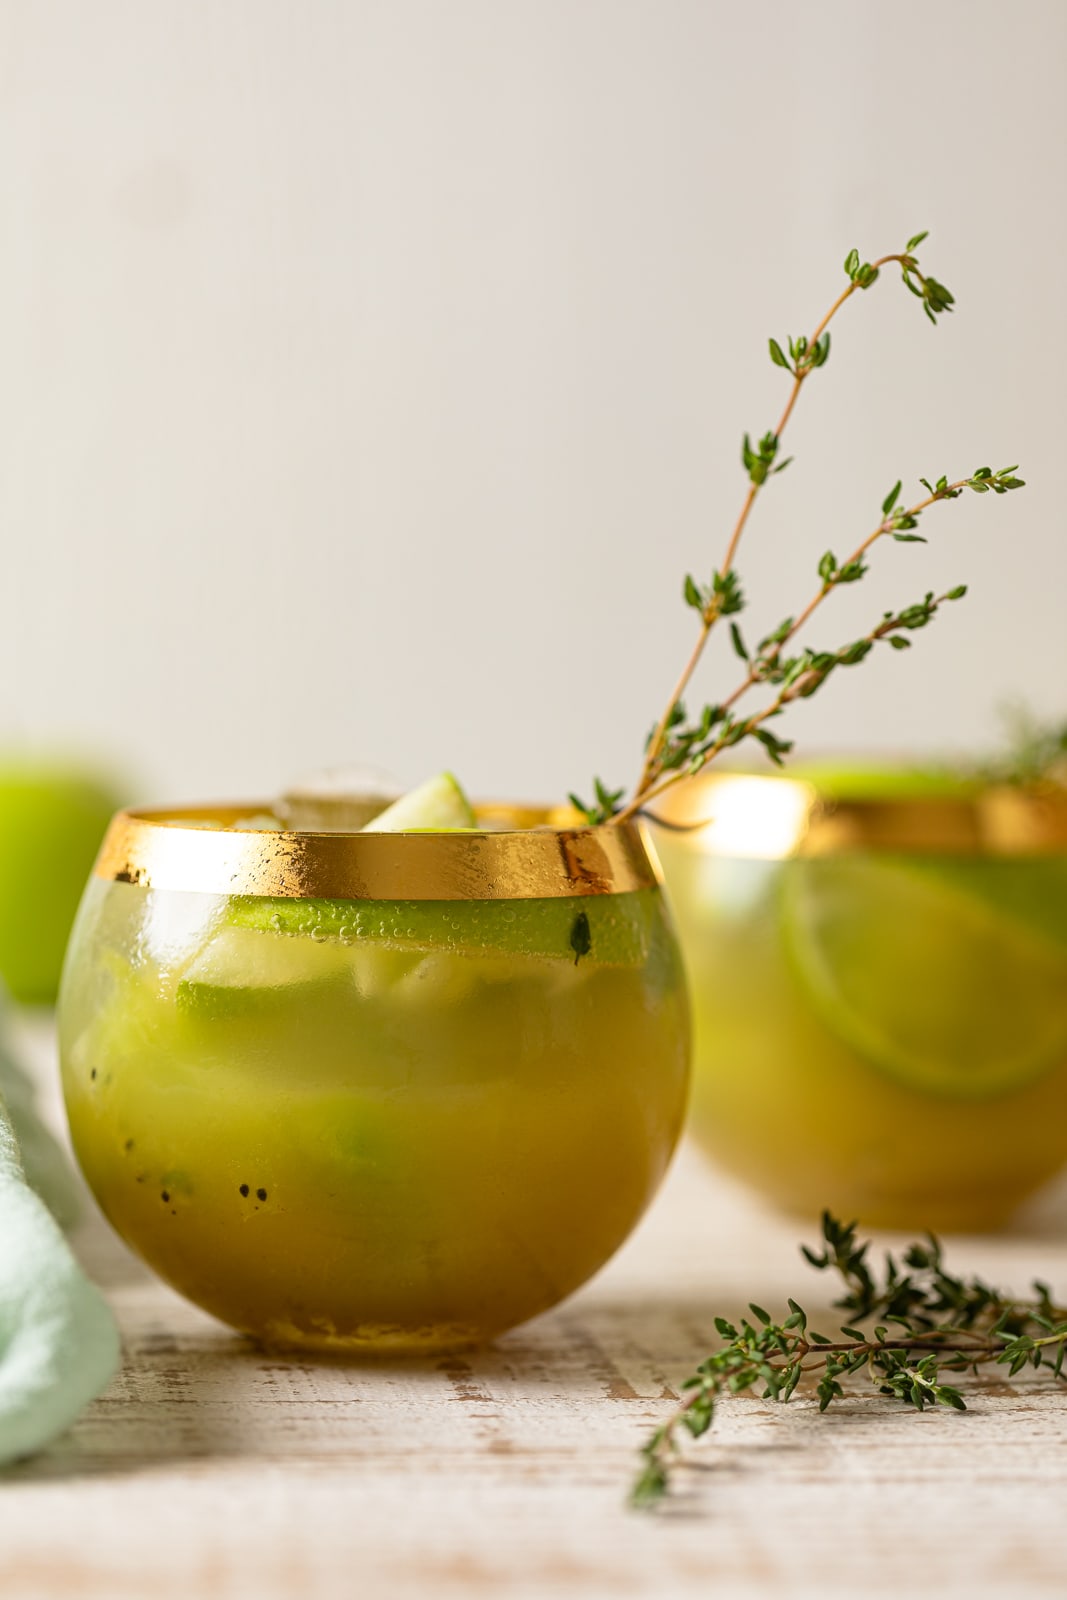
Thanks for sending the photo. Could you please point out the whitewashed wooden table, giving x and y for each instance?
(212, 1469)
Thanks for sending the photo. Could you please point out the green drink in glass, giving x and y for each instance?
(373, 1091)
(878, 965)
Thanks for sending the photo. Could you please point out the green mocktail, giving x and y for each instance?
(360, 1122)
(878, 1030)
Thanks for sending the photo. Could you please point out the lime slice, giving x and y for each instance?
(610, 930)
(240, 971)
(942, 987)
(1030, 890)
(437, 804)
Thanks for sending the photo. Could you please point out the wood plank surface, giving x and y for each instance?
(213, 1469)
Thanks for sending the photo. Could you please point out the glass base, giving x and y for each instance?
(375, 1342)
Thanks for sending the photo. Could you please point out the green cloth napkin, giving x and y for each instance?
(59, 1345)
(46, 1164)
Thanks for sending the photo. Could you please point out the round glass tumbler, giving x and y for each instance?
(879, 982)
(372, 1091)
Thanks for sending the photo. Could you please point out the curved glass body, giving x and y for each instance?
(880, 995)
(352, 1121)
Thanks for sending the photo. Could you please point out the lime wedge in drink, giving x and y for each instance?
(949, 975)
(1030, 890)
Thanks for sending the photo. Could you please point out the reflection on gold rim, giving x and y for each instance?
(168, 848)
(735, 814)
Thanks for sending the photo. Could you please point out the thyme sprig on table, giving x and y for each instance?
(679, 745)
(927, 1322)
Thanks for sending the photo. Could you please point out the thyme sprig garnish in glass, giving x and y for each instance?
(926, 1322)
(680, 745)
(1036, 756)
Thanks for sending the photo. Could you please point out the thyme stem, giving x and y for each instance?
(906, 1364)
(711, 616)
(758, 671)
(679, 746)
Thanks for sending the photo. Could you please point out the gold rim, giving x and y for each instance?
(204, 848)
(770, 818)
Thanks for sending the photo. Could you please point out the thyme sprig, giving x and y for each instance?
(928, 1322)
(679, 745)
(1036, 756)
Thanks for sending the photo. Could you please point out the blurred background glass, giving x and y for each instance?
(878, 970)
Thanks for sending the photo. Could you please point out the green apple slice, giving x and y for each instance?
(436, 805)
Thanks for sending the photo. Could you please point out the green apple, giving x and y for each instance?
(53, 815)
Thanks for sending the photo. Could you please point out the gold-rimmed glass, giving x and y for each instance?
(879, 978)
(372, 1091)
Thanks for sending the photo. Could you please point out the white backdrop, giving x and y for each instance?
(371, 371)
